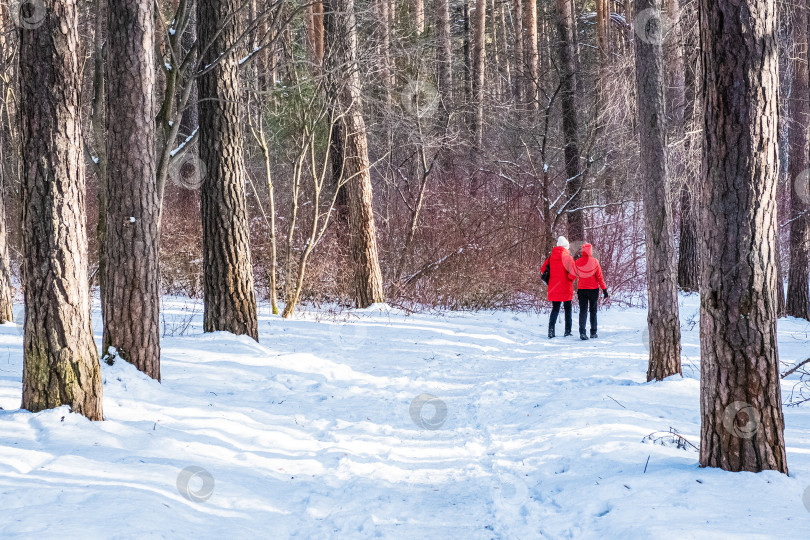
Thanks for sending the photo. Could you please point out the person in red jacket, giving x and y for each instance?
(589, 272)
(560, 284)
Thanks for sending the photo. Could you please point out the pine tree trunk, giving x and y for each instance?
(384, 47)
(6, 292)
(602, 30)
(688, 269)
(689, 246)
(478, 79)
(568, 92)
(530, 55)
(520, 67)
(662, 291)
(418, 15)
(798, 299)
(60, 362)
(130, 296)
(230, 301)
(6, 295)
(341, 35)
(191, 115)
(742, 424)
(444, 60)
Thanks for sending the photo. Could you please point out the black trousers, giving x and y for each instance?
(588, 300)
(555, 310)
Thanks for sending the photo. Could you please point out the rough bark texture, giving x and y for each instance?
(60, 362)
(662, 292)
(130, 296)
(568, 93)
(341, 36)
(229, 297)
(478, 79)
(742, 424)
(798, 299)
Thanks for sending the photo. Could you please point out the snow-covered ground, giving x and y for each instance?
(382, 424)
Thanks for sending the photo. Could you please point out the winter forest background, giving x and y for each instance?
(200, 158)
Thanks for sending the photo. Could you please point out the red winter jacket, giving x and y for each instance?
(561, 284)
(588, 270)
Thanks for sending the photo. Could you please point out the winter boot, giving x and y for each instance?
(594, 335)
(551, 333)
(567, 333)
(583, 336)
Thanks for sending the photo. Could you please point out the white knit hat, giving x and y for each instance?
(563, 242)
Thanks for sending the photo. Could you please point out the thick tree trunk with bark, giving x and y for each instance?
(345, 91)
(478, 75)
(662, 291)
(798, 299)
(568, 92)
(60, 362)
(742, 425)
(229, 297)
(130, 296)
